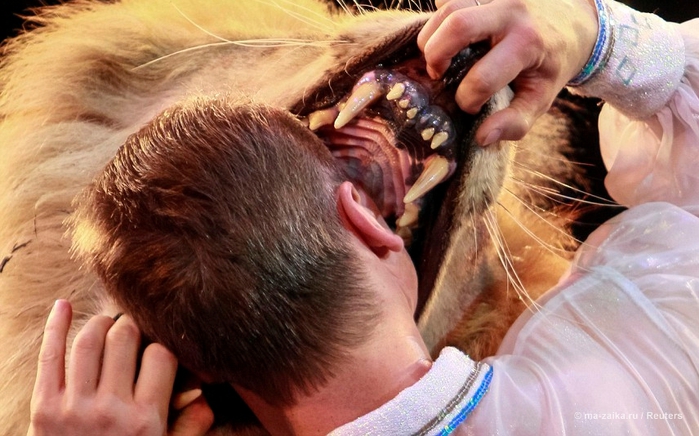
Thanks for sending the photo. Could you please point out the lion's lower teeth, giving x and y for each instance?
(409, 217)
(435, 172)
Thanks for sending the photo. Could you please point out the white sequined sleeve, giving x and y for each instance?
(649, 126)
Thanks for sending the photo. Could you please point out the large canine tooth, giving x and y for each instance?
(409, 216)
(436, 170)
(427, 133)
(396, 92)
(322, 118)
(363, 96)
(439, 139)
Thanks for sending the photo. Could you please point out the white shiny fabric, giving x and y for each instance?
(657, 159)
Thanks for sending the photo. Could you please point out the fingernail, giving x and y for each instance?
(57, 304)
(492, 137)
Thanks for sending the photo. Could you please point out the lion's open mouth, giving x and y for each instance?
(397, 133)
(402, 138)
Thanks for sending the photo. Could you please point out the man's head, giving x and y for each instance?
(219, 232)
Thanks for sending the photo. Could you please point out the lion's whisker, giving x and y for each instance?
(475, 232)
(551, 248)
(310, 11)
(186, 17)
(551, 194)
(256, 43)
(558, 182)
(503, 254)
(302, 18)
(345, 8)
(364, 8)
(535, 151)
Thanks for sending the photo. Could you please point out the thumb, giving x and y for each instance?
(194, 420)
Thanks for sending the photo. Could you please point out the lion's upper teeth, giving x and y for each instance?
(436, 170)
(322, 117)
(439, 139)
(362, 96)
(396, 91)
(408, 102)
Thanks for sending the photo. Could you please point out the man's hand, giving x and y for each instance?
(537, 46)
(97, 394)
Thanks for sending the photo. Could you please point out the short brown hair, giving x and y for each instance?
(219, 233)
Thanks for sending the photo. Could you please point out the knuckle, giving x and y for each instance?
(519, 7)
(458, 22)
(87, 343)
(91, 337)
(531, 37)
(49, 355)
(146, 421)
(44, 417)
(104, 412)
(159, 353)
(479, 82)
(448, 9)
(123, 333)
(78, 417)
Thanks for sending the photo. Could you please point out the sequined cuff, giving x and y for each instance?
(434, 406)
(643, 63)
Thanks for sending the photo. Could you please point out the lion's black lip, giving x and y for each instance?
(339, 82)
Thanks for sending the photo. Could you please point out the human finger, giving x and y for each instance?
(86, 356)
(50, 377)
(462, 28)
(196, 419)
(156, 377)
(437, 18)
(515, 121)
(120, 358)
(500, 66)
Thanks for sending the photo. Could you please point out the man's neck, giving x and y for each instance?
(392, 361)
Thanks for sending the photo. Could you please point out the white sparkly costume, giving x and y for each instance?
(614, 348)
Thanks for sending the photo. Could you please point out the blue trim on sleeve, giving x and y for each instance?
(470, 405)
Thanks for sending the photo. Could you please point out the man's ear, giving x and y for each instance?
(368, 226)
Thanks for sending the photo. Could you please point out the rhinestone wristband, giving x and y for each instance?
(603, 46)
(642, 62)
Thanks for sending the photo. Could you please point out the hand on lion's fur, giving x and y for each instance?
(97, 394)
